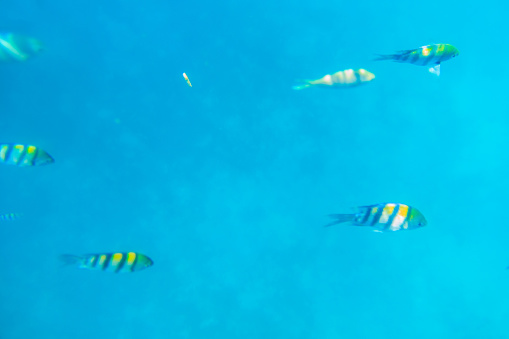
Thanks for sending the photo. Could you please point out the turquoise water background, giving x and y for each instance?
(227, 185)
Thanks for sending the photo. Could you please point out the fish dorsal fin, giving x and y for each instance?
(405, 51)
(373, 205)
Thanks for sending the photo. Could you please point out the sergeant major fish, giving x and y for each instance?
(383, 217)
(346, 78)
(18, 47)
(110, 262)
(24, 155)
(424, 56)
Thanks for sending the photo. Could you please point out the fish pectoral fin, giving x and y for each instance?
(435, 69)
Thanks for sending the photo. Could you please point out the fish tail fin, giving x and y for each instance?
(340, 218)
(380, 57)
(71, 260)
(305, 84)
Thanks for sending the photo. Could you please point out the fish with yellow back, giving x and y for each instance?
(383, 217)
(23, 155)
(109, 262)
(346, 78)
(424, 56)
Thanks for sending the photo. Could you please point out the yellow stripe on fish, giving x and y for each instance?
(346, 78)
(430, 55)
(24, 155)
(131, 257)
(384, 217)
(110, 262)
(18, 47)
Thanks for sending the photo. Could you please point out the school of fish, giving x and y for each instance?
(379, 217)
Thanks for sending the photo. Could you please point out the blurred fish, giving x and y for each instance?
(424, 56)
(187, 79)
(23, 155)
(9, 216)
(383, 217)
(18, 47)
(346, 78)
(110, 262)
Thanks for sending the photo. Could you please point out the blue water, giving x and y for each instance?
(226, 185)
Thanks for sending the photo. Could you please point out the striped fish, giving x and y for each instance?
(430, 55)
(384, 217)
(24, 155)
(9, 216)
(346, 78)
(110, 262)
(18, 47)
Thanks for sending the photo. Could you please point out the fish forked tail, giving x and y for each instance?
(299, 87)
(69, 259)
(340, 218)
(380, 57)
(304, 84)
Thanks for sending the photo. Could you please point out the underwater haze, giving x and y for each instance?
(226, 185)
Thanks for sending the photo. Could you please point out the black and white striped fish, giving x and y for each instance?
(430, 55)
(110, 262)
(18, 47)
(346, 78)
(384, 217)
(24, 155)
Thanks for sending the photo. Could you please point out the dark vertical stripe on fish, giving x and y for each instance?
(393, 216)
(377, 215)
(8, 216)
(430, 56)
(93, 262)
(443, 56)
(22, 155)
(14, 156)
(404, 57)
(407, 217)
(8, 153)
(121, 263)
(36, 155)
(365, 217)
(134, 262)
(106, 262)
(415, 58)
